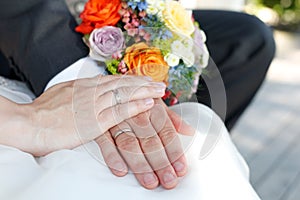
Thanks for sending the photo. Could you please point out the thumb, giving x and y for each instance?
(180, 125)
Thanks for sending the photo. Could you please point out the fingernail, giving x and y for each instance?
(149, 102)
(159, 84)
(169, 178)
(148, 78)
(149, 179)
(179, 167)
(119, 166)
(160, 90)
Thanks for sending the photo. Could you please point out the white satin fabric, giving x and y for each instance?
(218, 172)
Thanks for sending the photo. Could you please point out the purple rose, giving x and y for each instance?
(199, 37)
(105, 41)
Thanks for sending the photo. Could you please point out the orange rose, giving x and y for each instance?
(99, 13)
(147, 61)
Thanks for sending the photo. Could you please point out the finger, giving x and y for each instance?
(101, 79)
(125, 94)
(129, 147)
(169, 138)
(114, 115)
(91, 123)
(180, 125)
(104, 85)
(153, 150)
(111, 155)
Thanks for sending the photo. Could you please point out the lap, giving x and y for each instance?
(216, 169)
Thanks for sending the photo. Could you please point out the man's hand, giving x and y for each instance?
(152, 150)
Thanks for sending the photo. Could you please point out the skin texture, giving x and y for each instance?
(58, 118)
(152, 150)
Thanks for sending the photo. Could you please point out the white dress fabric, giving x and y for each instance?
(216, 169)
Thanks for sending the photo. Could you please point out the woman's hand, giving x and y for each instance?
(75, 112)
(149, 146)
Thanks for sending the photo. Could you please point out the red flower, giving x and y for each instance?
(167, 94)
(173, 101)
(99, 13)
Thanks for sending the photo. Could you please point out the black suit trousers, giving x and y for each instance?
(242, 48)
(37, 41)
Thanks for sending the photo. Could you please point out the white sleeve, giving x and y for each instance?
(83, 68)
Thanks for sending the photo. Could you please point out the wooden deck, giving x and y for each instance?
(268, 134)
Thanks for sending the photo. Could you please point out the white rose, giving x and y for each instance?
(155, 7)
(160, 5)
(177, 46)
(172, 59)
(151, 2)
(188, 43)
(152, 10)
(188, 58)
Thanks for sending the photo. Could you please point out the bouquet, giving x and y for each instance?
(156, 38)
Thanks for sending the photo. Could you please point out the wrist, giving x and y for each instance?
(32, 139)
(35, 135)
(16, 126)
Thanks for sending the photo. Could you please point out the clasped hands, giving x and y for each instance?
(76, 112)
(152, 149)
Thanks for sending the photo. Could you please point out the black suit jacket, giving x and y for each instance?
(38, 40)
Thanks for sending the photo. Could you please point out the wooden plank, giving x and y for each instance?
(268, 159)
(261, 122)
(293, 193)
(254, 138)
(281, 175)
(257, 134)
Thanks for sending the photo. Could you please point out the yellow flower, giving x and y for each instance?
(178, 19)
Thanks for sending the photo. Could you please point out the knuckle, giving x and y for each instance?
(149, 90)
(175, 155)
(127, 143)
(138, 105)
(151, 144)
(103, 124)
(118, 113)
(117, 110)
(141, 120)
(124, 93)
(144, 90)
(101, 116)
(104, 140)
(167, 135)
